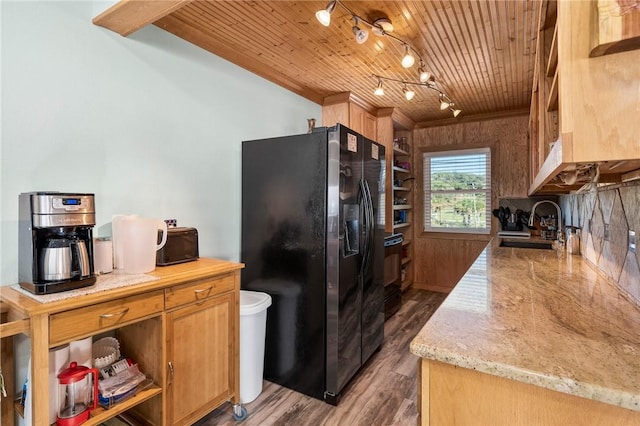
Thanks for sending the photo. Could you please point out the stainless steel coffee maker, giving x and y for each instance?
(55, 241)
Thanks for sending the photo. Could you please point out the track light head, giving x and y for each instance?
(455, 111)
(324, 15)
(379, 90)
(408, 60)
(424, 75)
(443, 102)
(361, 35)
(408, 93)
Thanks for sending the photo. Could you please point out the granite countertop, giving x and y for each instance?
(541, 317)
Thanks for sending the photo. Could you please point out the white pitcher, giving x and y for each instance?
(135, 243)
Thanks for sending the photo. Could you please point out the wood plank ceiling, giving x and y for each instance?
(481, 52)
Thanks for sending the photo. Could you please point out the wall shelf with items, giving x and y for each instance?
(395, 132)
(403, 200)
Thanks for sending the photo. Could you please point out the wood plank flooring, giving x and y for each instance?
(383, 393)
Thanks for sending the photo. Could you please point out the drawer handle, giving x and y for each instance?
(122, 312)
(202, 290)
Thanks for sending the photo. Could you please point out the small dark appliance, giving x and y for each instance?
(392, 274)
(181, 246)
(55, 241)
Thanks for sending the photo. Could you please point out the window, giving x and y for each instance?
(457, 191)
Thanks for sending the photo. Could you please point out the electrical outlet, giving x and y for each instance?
(171, 223)
(607, 232)
(632, 241)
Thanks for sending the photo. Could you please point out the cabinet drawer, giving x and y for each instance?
(104, 316)
(198, 290)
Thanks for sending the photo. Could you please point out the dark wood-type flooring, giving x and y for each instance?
(383, 393)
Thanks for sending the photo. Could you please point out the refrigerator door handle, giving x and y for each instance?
(362, 200)
(370, 224)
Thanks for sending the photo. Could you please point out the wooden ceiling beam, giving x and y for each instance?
(128, 16)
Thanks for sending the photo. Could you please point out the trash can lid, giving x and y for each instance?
(252, 302)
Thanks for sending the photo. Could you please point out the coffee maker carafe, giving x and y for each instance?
(55, 241)
(64, 256)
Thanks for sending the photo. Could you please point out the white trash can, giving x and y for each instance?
(253, 323)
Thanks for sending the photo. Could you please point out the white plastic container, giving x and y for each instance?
(253, 324)
(135, 243)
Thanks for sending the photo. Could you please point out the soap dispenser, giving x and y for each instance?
(573, 240)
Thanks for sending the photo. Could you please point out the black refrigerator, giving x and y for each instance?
(313, 238)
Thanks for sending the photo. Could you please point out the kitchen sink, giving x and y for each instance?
(545, 245)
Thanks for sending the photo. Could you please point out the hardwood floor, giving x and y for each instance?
(383, 393)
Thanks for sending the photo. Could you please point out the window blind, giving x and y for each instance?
(457, 191)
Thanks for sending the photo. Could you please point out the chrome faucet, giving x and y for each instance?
(559, 232)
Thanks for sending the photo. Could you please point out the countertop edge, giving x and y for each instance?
(559, 384)
(564, 384)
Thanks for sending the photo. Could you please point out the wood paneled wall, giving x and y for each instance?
(441, 259)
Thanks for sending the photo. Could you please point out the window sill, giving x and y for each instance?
(455, 236)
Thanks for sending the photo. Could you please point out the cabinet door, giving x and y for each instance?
(370, 129)
(356, 118)
(201, 358)
(362, 122)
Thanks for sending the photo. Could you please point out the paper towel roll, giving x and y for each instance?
(80, 351)
(58, 361)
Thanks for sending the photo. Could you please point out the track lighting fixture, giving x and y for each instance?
(379, 90)
(408, 60)
(408, 93)
(324, 15)
(383, 27)
(445, 101)
(380, 27)
(361, 35)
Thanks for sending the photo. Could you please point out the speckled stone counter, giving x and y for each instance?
(540, 317)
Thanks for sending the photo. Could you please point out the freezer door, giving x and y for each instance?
(344, 257)
(283, 249)
(372, 273)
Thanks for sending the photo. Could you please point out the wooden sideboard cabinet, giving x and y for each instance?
(182, 330)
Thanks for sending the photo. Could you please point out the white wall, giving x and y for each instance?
(149, 123)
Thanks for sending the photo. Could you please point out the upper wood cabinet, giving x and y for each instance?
(584, 124)
(346, 108)
(618, 27)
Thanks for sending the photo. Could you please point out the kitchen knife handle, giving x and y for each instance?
(122, 312)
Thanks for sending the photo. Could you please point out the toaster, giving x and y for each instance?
(181, 246)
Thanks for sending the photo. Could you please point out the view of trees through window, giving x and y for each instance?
(458, 210)
(456, 191)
